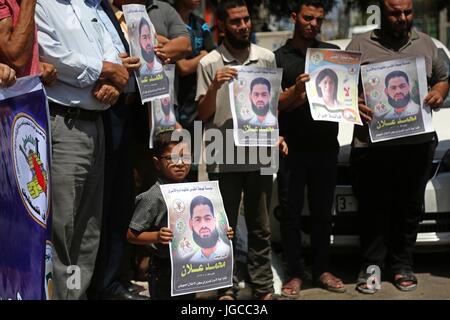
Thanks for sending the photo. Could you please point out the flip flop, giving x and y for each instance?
(294, 286)
(361, 284)
(406, 277)
(329, 282)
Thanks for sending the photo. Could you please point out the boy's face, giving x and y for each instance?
(175, 162)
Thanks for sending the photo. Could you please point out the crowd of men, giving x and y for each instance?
(101, 160)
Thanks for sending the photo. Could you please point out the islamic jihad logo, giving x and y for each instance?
(31, 166)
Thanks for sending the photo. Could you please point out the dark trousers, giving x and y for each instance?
(315, 170)
(257, 191)
(118, 202)
(160, 281)
(389, 183)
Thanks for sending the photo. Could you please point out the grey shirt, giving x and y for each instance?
(375, 48)
(166, 20)
(150, 214)
(222, 118)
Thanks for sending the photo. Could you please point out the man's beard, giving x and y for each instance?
(165, 109)
(260, 111)
(392, 31)
(235, 42)
(148, 56)
(207, 242)
(399, 103)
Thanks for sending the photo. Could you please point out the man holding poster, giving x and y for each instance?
(392, 218)
(312, 159)
(238, 175)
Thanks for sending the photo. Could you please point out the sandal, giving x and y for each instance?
(227, 297)
(329, 282)
(291, 289)
(362, 283)
(405, 276)
(271, 296)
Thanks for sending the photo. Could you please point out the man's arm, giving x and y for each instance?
(16, 43)
(189, 66)
(169, 51)
(436, 96)
(207, 102)
(75, 69)
(294, 96)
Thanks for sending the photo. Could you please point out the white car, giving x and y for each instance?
(435, 226)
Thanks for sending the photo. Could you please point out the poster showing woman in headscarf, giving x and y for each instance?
(254, 104)
(333, 87)
(151, 78)
(395, 91)
(201, 253)
(162, 109)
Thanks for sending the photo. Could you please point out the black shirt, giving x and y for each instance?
(301, 132)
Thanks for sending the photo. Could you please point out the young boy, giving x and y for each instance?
(149, 223)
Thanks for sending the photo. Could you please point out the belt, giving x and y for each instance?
(73, 112)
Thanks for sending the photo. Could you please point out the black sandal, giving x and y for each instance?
(405, 276)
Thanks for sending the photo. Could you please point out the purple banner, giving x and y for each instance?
(25, 229)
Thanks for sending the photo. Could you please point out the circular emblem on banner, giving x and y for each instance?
(31, 166)
(178, 205)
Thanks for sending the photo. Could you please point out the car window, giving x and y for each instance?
(446, 59)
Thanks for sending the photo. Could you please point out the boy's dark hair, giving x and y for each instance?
(315, 3)
(201, 200)
(224, 5)
(162, 141)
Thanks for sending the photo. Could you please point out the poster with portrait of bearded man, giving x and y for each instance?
(201, 253)
(151, 77)
(254, 105)
(395, 91)
(162, 109)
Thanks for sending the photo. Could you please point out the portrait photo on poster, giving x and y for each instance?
(201, 254)
(254, 103)
(151, 78)
(162, 109)
(395, 91)
(333, 87)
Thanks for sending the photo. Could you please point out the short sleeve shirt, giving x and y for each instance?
(150, 214)
(166, 20)
(222, 118)
(375, 48)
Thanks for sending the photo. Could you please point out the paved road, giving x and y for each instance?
(432, 270)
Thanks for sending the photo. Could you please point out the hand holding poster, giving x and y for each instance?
(163, 114)
(25, 189)
(151, 78)
(333, 89)
(254, 106)
(395, 91)
(201, 254)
